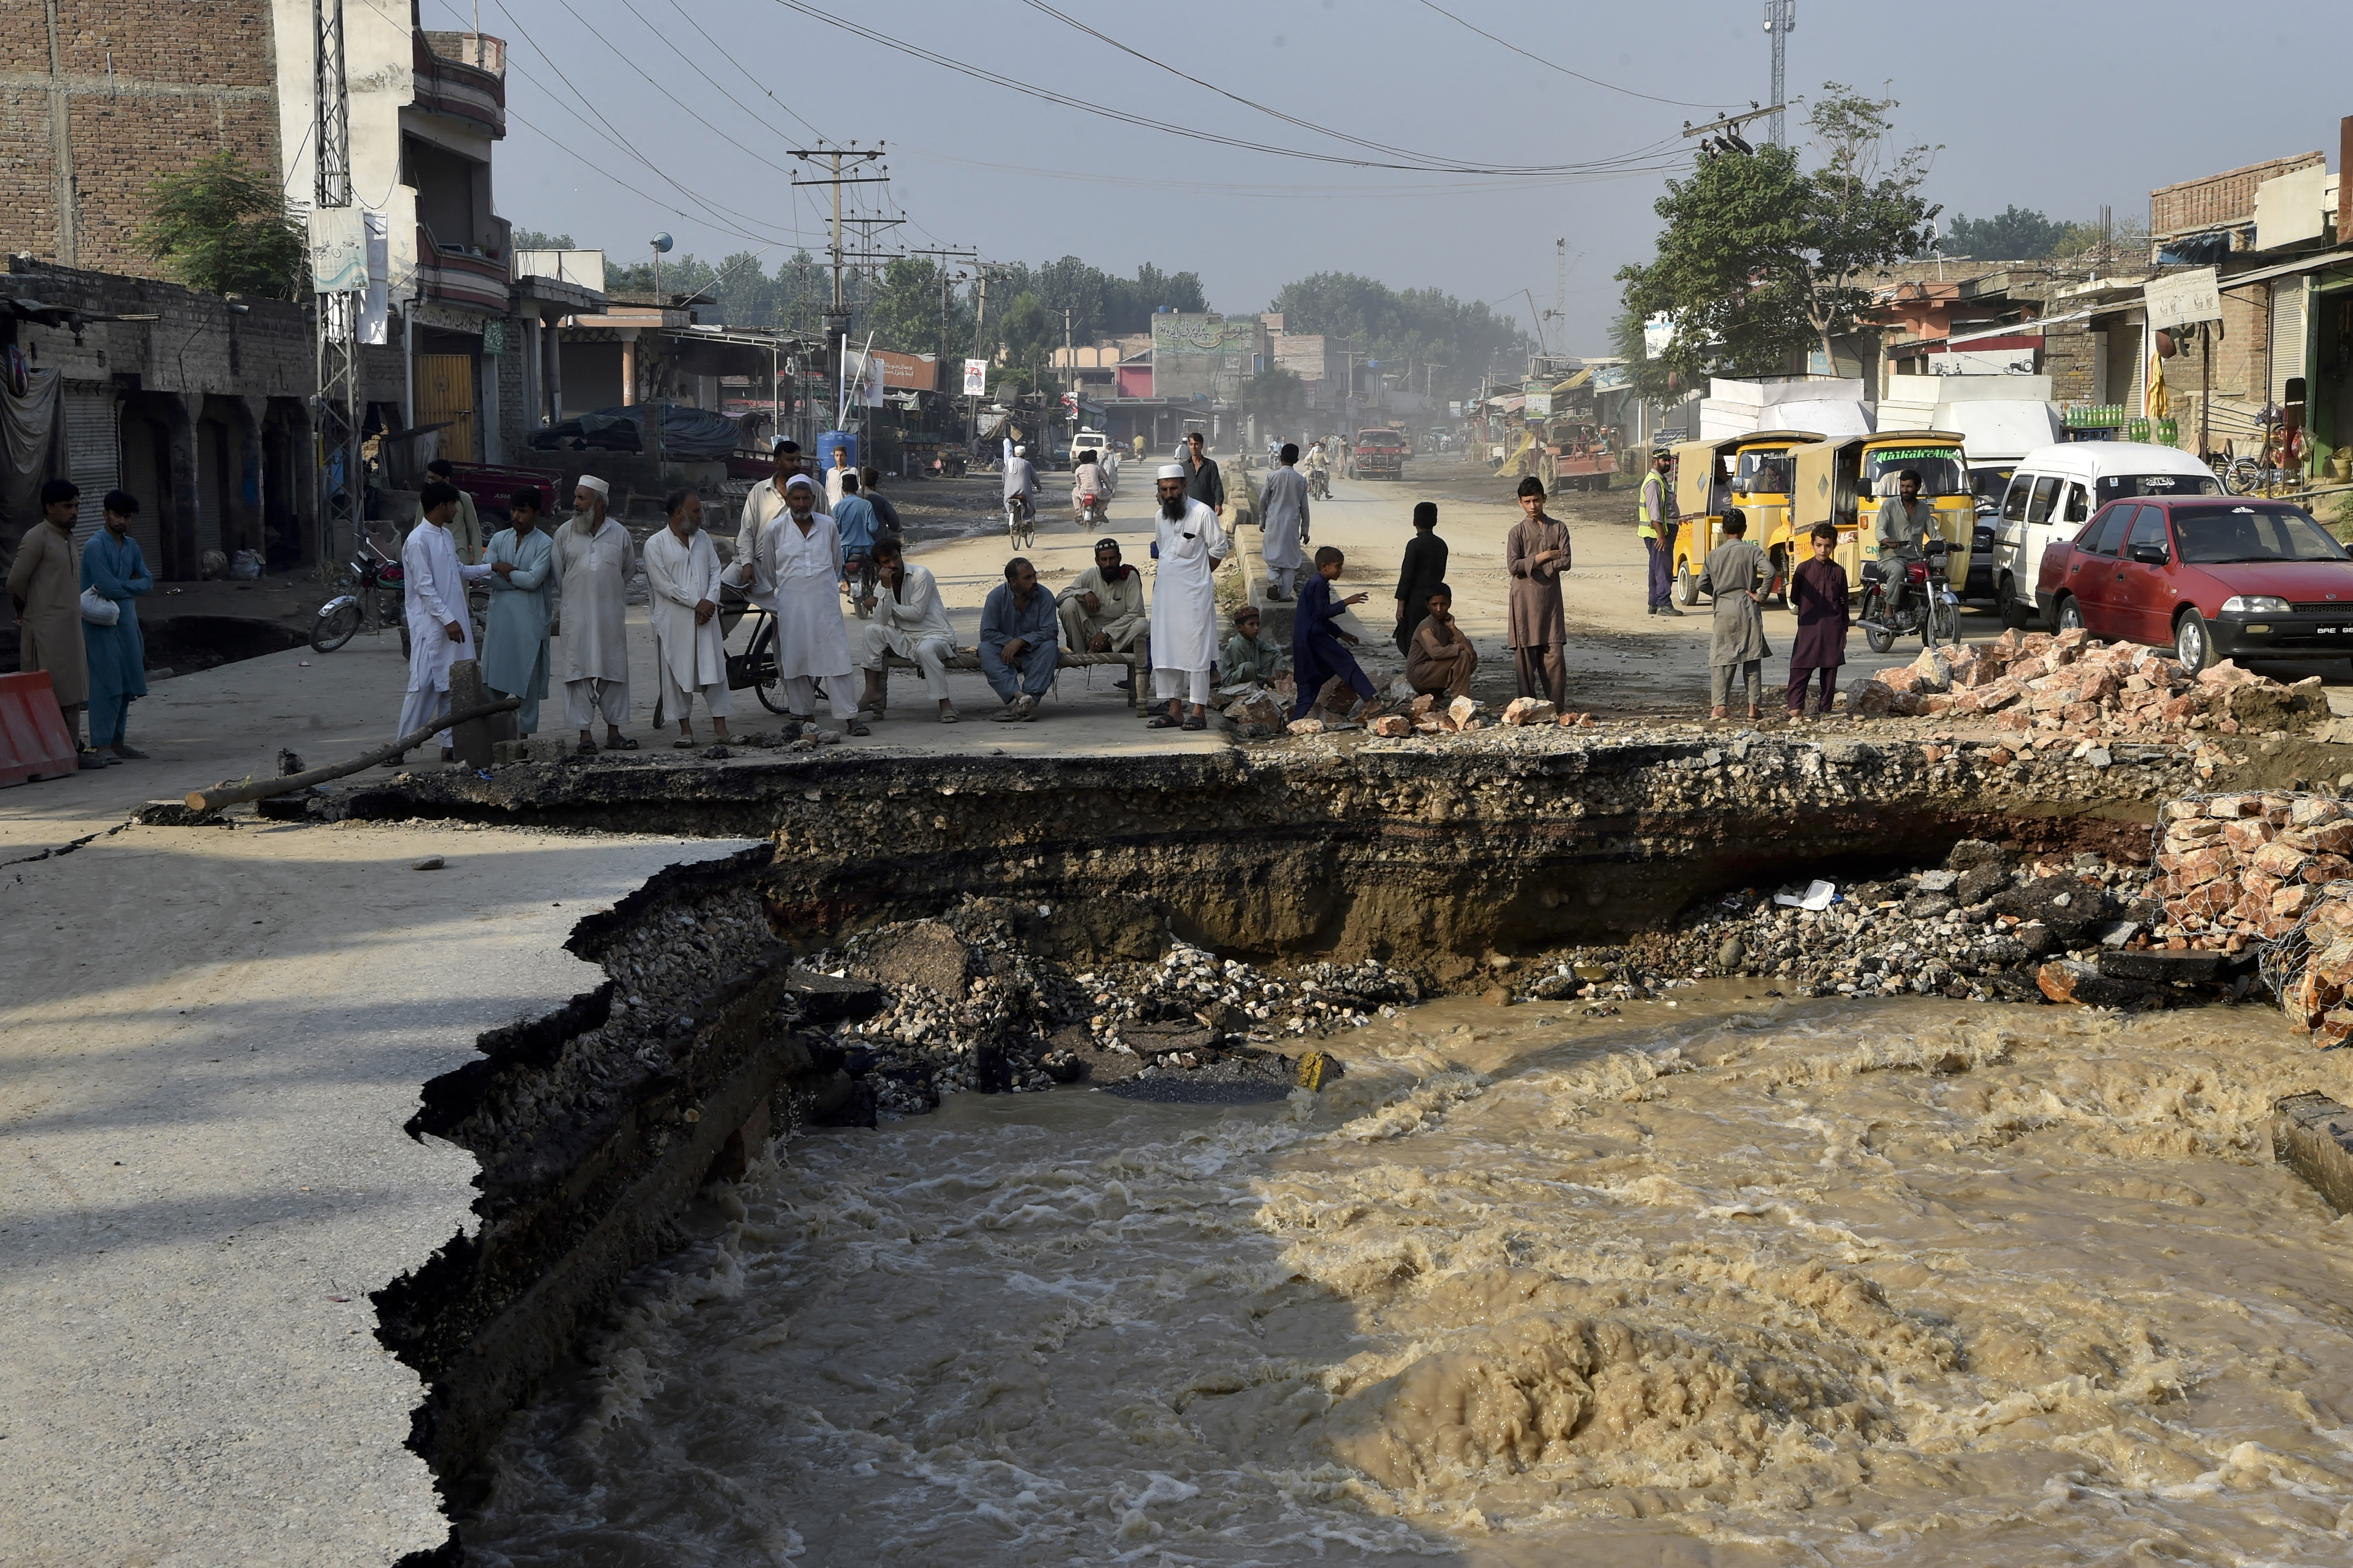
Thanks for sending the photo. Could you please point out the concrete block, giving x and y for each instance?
(2313, 1136)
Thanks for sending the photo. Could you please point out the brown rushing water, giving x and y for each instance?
(1863, 1283)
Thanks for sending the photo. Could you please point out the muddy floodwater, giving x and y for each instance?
(1729, 1283)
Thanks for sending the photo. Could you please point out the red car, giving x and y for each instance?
(2216, 576)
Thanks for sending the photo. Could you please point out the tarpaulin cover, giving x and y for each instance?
(688, 434)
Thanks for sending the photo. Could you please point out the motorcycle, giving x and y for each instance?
(1930, 605)
(372, 601)
(1319, 484)
(1091, 511)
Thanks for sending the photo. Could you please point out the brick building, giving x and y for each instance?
(98, 97)
(195, 404)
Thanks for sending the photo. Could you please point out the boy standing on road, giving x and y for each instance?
(1536, 552)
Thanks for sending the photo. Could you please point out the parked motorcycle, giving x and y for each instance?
(371, 600)
(1930, 605)
(858, 569)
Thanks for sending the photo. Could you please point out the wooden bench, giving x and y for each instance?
(968, 660)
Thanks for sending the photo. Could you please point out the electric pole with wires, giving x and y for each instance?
(337, 403)
(836, 315)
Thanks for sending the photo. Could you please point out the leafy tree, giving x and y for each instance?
(1278, 397)
(2017, 234)
(532, 240)
(681, 275)
(1761, 259)
(1415, 327)
(220, 223)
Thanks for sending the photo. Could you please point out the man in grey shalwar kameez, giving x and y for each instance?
(1736, 575)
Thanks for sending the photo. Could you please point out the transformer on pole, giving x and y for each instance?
(1781, 21)
(336, 408)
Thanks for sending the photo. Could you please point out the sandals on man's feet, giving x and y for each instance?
(1161, 722)
(1194, 721)
(626, 743)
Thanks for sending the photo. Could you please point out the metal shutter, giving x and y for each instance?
(91, 459)
(2287, 337)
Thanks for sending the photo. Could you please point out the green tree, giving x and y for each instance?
(1278, 397)
(221, 225)
(2016, 234)
(532, 240)
(682, 274)
(1762, 260)
(1417, 326)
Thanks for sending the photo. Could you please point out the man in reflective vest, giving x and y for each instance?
(1657, 532)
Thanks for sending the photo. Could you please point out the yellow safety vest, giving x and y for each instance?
(1650, 512)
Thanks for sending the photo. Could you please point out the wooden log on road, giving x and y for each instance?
(232, 795)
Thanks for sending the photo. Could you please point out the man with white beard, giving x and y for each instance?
(595, 561)
(683, 605)
(440, 631)
(1189, 545)
(802, 551)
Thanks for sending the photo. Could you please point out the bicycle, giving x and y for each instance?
(1020, 523)
(755, 666)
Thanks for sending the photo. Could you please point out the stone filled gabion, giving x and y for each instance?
(672, 954)
(1971, 929)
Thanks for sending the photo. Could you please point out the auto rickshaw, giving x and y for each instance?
(1702, 488)
(1843, 482)
(1751, 472)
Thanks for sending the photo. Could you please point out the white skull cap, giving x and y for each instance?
(591, 482)
(803, 480)
(1172, 471)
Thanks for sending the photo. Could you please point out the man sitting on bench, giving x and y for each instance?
(1103, 610)
(911, 621)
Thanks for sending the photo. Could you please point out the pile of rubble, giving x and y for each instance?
(2071, 686)
(1982, 927)
(1427, 715)
(964, 1007)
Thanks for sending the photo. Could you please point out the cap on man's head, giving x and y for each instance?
(1104, 544)
(1020, 451)
(1172, 471)
(801, 482)
(591, 482)
(1247, 612)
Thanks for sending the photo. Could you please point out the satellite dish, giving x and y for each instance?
(661, 242)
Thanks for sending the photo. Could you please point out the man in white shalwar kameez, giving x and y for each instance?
(433, 593)
(682, 605)
(911, 621)
(1190, 546)
(595, 561)
(763, 504)
(1283, 505)
(802, 551)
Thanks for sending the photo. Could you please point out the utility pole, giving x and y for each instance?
(338, 314)
(1781, 21)
(836, 317)
(1070, 385)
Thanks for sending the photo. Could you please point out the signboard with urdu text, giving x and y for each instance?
(2182, 299)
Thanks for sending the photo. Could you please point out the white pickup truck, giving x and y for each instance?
(1107, 454)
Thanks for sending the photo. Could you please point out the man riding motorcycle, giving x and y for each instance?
(1319, 477)
(1091, 485)
(1904, 522)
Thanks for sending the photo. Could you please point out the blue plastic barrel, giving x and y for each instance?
(827, 442)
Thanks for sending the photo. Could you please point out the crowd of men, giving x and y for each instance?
(803, 543)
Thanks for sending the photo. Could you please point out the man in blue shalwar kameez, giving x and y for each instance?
(1318, 650)
(114, 567)
(522, 599)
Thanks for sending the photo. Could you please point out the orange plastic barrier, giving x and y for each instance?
(34, 740)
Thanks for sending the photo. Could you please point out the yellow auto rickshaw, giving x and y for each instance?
(1843, 482)
(1751, 472)
(1702, 482)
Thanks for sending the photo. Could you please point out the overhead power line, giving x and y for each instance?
(1549, 65)
(1240, 143)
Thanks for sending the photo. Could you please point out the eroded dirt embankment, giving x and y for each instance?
(1531, 842)
(595, 1125)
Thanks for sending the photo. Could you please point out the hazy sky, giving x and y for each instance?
(2056, 106)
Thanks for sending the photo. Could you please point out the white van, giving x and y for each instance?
(2054, 493)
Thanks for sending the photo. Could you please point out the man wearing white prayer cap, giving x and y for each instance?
(1190, 546)
(595, 560)
(803, 552)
